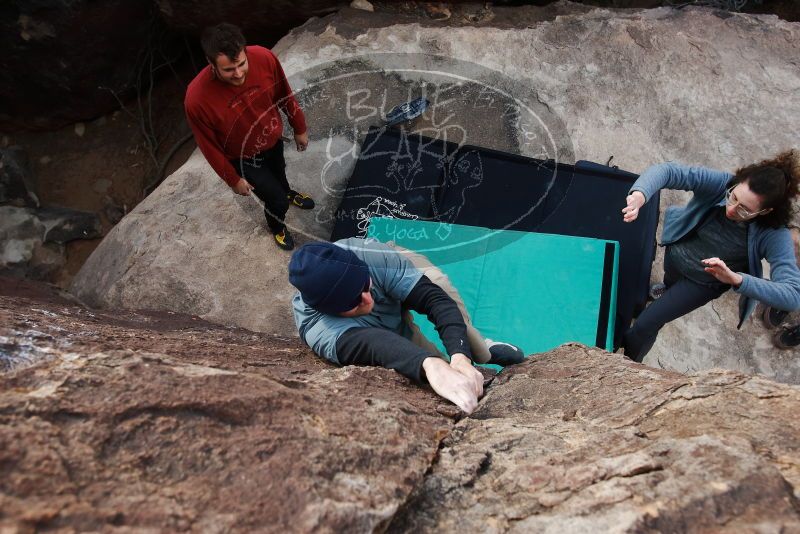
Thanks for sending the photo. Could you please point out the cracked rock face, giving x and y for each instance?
(644, 86)
(163, 421)
(579, 441)
(166, 422)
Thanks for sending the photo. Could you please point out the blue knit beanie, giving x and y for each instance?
(330, 278)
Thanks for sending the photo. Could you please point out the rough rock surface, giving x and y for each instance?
(581, 441)
(165, 422)
(157, 421)
(644, 86)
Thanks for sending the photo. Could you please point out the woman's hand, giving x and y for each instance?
(635, 201)
(720, 271)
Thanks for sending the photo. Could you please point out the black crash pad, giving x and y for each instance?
(409, 176)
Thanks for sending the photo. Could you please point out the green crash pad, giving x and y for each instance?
(534, 290)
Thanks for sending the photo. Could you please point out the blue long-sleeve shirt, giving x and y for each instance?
(774, 245)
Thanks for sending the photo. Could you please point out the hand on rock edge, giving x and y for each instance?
(450, 384)
(463, 365)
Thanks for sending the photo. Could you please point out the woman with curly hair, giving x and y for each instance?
(717, 241)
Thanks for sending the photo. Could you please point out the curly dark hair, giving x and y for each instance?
(776, 181)
(223, 38)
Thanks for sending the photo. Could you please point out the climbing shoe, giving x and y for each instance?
(773, 317)
(504, 353)
(787, 337)
(301, 200)
(284, 239)
(656, 290)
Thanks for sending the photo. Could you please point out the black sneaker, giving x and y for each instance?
(284, 239)
(787, 337)
(773, 317)
(504, 353)
(657, 290)
(301, 200)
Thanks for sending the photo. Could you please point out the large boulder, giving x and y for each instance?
(161, 421)
(581, 441)
(568, 82)
(164, 422)
(203, 250)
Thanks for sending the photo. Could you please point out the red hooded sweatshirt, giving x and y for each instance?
(231, 122)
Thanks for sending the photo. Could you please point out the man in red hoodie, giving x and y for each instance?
(232, 108)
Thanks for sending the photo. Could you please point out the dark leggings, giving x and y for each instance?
(681, 297)
(266, 172)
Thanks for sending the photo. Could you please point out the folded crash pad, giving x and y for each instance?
(409, 176)
(534, 290)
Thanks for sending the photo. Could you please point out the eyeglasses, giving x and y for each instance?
(741, 211)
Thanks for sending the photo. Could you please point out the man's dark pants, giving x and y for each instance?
(266, 172)
(681, 297)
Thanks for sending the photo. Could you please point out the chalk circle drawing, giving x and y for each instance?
(469, 104)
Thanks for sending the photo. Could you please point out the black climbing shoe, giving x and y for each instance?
(787, 337)
(301, 200)
(504, 353)
(656, 290)
(773, 317)
(284, 239)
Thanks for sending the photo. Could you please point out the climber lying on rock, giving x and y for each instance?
(353, 308)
